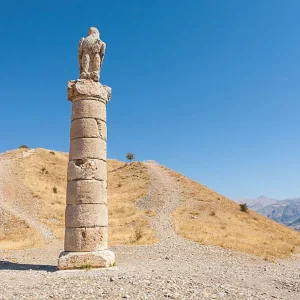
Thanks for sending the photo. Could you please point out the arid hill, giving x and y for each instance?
(32, 203)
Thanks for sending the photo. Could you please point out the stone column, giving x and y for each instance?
(86, 239)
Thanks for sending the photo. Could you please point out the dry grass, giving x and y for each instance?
(204, 216)
(41, 172)
(128, 183)
(212, 219)
(44, 173)
(15, 233)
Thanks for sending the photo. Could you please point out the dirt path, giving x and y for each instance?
(172, 269)
(17, 199)
(163, 198)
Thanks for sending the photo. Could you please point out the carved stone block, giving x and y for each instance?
(86, 192)
(84, 148)
(81, 128)
(83, 89)
(87, 169)
(86, 215)
(89, 109)
(86, 239)
(79, 260)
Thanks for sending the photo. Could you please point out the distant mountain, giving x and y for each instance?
(258, 203)
(295, 224)
(285, 211)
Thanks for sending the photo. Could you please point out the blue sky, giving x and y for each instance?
(207, 88)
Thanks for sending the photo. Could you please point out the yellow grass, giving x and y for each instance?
(212, 219)
(127, 183)
(203, 216)
(16, 234)
(41, 172)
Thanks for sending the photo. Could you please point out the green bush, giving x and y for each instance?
(138, 233)
(243, 207)
(130, 156)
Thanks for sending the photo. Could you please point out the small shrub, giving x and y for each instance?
(212, 213)
(52, 152)
(195, 213)
(23, 147)
(86, 267)
(43, 170)
(54, 189)
(243, 207)
(119, 184)
(138, 233)
(150, 213)
(130, 156)
(113, 264)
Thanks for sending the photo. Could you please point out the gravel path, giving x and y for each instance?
(173, 269)
(163, 198)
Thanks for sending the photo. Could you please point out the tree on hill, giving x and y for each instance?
(130, 156)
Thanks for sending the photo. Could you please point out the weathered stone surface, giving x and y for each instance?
(87, 169)
(79, 260)
(83, 89)
(91, 52)
(89, 109)
(102, 129)
(86, 215)
(87, 127)
(86, 192)
(87, 148)
(86, 239)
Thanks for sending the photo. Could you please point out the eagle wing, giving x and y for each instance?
(80, 54)
(102, 52)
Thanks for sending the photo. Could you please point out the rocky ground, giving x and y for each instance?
(173, 269)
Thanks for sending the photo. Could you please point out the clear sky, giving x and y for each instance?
(209, 88)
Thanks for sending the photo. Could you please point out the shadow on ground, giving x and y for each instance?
(7, 265)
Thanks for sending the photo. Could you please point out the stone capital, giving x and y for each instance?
(84, 88)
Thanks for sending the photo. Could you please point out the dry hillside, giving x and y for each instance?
(209, 218)
(43, 172)
(202, 215)
(16, 233)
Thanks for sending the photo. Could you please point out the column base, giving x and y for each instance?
(85, 260)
